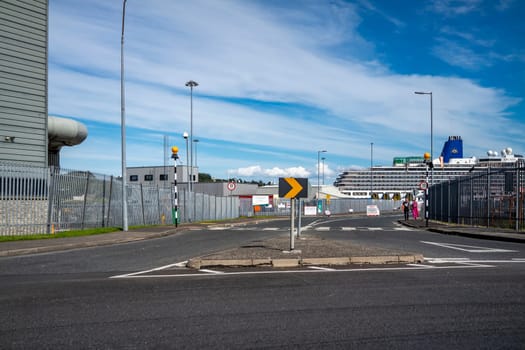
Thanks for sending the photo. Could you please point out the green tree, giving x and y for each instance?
(204, 177)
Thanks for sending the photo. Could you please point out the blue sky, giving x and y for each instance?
(281, 80)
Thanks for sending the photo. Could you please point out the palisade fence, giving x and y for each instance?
(281, 206)
(43, 200)
(488, 197)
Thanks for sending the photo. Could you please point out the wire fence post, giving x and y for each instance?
(85, 202)
(517, 196)
(50, 199)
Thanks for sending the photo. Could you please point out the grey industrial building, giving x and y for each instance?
(27, 134)
(164, 176)
(160, 176)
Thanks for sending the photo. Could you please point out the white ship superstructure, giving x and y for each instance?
(407, 174)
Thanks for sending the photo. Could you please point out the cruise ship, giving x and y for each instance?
(408, 175)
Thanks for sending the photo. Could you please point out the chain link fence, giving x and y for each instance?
(491, 197)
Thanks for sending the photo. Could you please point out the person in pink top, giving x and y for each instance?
(415, 210)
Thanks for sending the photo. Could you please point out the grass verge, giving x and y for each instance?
(63, 234)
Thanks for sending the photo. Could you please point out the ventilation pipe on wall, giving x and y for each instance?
(63, 132)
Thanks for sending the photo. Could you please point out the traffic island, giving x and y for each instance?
(311, 250)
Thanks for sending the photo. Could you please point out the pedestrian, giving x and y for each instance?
(415, 210)
(405, 209)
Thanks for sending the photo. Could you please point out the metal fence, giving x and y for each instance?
(489, 197)
(281, 206)
(45, 200)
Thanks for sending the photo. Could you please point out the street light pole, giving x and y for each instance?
(318, 173)
(431, 133)
(191, 85)
(371, 169)
(186, 206)
(427, 196)
(196, 164)
(185, 135)
(323, 168)
(123, 126)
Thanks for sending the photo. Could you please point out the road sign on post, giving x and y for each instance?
(291, 187)
(231, 186)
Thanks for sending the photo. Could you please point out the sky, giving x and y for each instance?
(280, 81)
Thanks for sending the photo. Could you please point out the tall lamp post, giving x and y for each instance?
(371, 169)
(186, 206)
(430, 161)
(185, 135)
(196, 164)
(123, 126)
(318, 175)
(431, 133)
(323, 168)
(191, 84)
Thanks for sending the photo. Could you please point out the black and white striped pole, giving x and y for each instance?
(174, 194)
(429, 165)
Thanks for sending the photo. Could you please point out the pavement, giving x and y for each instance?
(491, 233)
(309, 249)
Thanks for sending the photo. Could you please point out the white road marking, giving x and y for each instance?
(494, 261)
(469, 248)
(467, 261)
(349, 228)
(270, 229)
(270, 272)
(179, 264)
(320, 268)
(211, 271)
(421, 265)
(459, 263)
(445, 260)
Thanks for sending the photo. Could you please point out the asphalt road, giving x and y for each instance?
(469, 294)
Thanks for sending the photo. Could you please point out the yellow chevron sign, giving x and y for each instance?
(291, 187)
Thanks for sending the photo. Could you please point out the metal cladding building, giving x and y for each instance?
(27, 134)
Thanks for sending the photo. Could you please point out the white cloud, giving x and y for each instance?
(455, 7)
(256, 170)
(249, 171)
(269, 86)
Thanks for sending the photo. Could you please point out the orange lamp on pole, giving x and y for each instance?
(175, 152)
